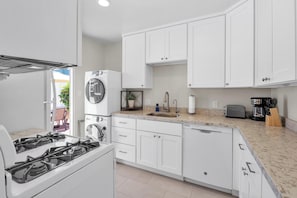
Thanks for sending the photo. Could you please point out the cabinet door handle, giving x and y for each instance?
(123, 152)
(123, 136)
(240, 146)
(155, 136)
(123, 122)
(226, 84)
(248, 165)
(162, 58)
(190, 85)
(206, 131)
(159, 136)
(166, 58)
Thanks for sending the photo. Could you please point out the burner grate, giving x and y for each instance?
(52, 158)
(24, 144)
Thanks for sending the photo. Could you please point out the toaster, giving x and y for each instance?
(234, 111)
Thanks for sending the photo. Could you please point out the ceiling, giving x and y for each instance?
(123, 16)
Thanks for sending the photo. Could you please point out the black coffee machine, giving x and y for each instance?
(261, 106)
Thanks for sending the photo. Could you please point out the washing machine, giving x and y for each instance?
(102, 92)
(98, 128)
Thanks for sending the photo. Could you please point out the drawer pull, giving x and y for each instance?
(123, 136)
(124, 152)
(123, 122)
(240, 146)
(248, 165)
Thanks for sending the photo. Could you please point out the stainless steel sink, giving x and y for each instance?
(163, 114)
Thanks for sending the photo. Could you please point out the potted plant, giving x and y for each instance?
(131, 99)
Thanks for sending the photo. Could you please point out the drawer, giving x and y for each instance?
(160, 127)
(125, 152)
(128, 123)
(124, 136)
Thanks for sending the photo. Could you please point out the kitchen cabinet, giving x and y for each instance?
(124, 138)
(166, 45)
(236, 159)
(135, 73)
(159, 145)
(275, 41)
(206, 48)
(250, 179)
(240, 46)
(207, 155)
(41, 29)
(267, 191)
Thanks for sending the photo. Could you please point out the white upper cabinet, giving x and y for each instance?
(240, 46)
(206, 48)
(135, 73)
(166, 45)
(275, 41)
(41, 29)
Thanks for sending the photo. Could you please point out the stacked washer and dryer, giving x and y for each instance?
(102, 97)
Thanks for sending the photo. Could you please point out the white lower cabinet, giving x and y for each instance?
(123, 137)
(157, 149)
(250, 177)
(267, 191)
(207, 155)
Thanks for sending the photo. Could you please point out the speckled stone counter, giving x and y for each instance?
(26, 133)
(274, 148)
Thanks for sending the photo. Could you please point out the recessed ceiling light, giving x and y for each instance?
(104, 3)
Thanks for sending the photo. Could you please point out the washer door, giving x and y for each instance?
(95, 131)
(95, 91)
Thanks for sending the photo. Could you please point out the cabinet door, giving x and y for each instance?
(206, 58)
(155, 46)
(169, 153)
(176, 43)
(208, 157)
(135, 73)
(147, 149)
(240, 46)
(263, 49)
(254, 176)
(40, 29)
(267, 191)
(284, 42)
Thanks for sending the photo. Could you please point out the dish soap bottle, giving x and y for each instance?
(157, 107)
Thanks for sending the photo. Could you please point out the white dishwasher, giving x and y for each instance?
(207, 156)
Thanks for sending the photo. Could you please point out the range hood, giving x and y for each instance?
(16, 65)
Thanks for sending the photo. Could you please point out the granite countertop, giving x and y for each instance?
(274, 148)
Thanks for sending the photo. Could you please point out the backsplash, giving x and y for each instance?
(173, 79)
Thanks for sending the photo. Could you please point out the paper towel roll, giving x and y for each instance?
(191, 109)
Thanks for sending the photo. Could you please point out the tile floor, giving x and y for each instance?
(135, 183)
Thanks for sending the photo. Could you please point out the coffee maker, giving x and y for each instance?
(261, 107)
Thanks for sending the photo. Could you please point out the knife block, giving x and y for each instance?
(273, 119)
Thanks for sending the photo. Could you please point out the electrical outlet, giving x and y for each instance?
(215, 104)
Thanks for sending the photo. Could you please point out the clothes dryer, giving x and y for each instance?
(102, 92)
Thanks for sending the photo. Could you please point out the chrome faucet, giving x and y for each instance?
(166, 100)
(175, 102)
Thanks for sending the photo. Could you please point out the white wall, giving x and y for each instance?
(286, 98)
(113, 56)
(92, 59)
(173, 79)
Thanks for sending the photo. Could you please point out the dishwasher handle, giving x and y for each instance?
(205, 130)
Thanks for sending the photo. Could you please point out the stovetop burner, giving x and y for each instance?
(32, 168)
(24, 144)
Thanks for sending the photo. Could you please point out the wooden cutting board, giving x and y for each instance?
(273, 119)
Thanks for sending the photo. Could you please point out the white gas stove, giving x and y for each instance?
(55, 165)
